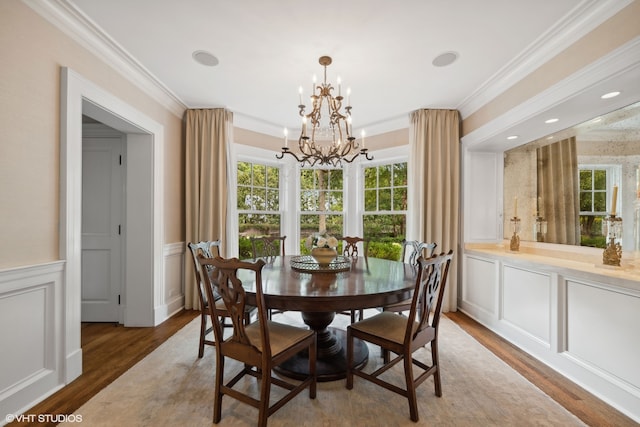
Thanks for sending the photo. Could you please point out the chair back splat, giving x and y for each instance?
(209, 249)
(350, 248)
(431, 281)
(415, 249)
(258, 346)
(267, 246)
(403, 335)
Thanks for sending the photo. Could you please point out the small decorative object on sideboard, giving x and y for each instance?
(515, 225)
(515, 239)
(613, 252)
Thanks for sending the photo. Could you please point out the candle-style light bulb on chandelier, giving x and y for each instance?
(326, 137)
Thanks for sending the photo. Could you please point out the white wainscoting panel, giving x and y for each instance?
(600, 320)
(526, 301)
(31, 352)
(581, 320)
(172, 299)
(482, 175)
(479, 284)
(26, 357)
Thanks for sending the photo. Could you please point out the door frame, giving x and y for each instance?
(144, 265)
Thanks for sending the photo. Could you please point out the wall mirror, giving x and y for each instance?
(563, 185)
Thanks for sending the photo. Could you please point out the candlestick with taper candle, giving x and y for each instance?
(614, 200)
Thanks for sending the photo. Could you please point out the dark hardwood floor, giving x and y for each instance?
(591, 410)
(109, 350)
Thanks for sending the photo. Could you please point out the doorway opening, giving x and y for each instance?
(143, 270)
(103, 222)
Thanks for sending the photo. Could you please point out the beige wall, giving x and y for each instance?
(613, 33)
(377, 142)
(32, 52)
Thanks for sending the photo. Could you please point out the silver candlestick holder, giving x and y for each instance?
(613, 252)
(515, 238)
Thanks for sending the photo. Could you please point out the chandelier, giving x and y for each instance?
(326, 137)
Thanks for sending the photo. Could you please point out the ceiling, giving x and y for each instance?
(383, 52)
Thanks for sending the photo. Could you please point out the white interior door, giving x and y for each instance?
(102, 207)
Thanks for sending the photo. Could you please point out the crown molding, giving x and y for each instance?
(581, 20)
(71, 21)
(254, 124)
(622, 60)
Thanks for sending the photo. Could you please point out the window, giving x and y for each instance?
(258, 203)
(385, 209)
(595, 186)
(321, 203)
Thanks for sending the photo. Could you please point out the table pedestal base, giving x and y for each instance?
(331, 363)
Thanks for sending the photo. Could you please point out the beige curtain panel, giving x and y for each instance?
(434, 185)
(208, 135)
(558, 191)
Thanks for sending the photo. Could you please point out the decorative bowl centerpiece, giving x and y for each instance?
(323, 248)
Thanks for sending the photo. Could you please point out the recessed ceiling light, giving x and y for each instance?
(551, 121)
(596, 120)
(444, 59)
(512, 137)
(550, 137)
(610, 95)
(205, 58)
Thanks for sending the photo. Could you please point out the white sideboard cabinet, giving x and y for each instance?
(579, 317)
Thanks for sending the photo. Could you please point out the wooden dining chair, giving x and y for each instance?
(208, 249)
(350, 250)
(259, 346)
(403, 335)
(411, 251)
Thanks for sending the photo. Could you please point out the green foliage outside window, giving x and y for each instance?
(385, 205)
(258, 203)
(321, 203)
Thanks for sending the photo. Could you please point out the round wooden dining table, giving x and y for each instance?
(318, 295)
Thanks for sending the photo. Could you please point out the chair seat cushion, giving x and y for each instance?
(281, 336)
(386, 325)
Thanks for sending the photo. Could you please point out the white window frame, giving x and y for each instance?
(244, 153)
(353, 203)
(298, 191)
(614, 174)
(382, 157)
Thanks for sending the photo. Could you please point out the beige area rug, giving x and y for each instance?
(172, 387)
